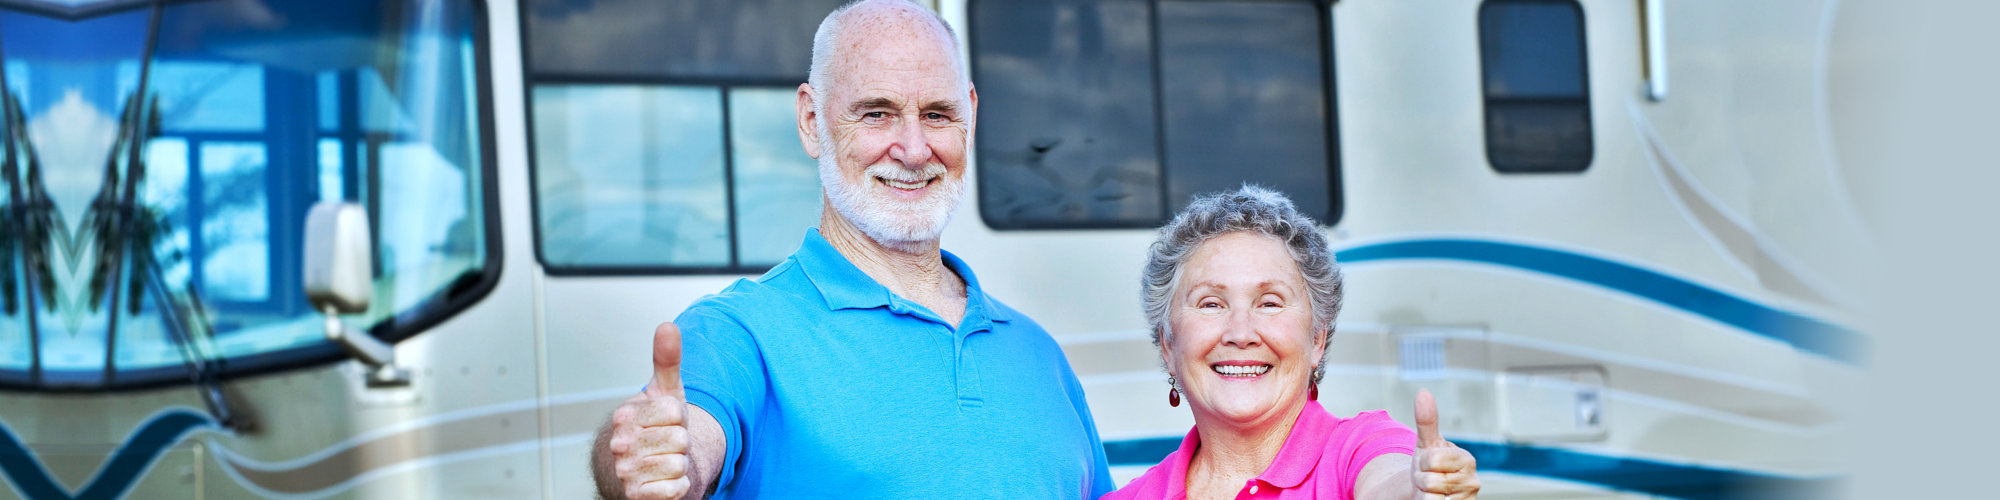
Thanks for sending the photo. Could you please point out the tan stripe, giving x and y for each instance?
(429, 441)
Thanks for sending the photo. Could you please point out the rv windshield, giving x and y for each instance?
(160, 158)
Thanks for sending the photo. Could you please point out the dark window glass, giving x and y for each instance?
(730, 39)
(1090, 117)
(1245, 100)
(1536, 84)
(1066, 134)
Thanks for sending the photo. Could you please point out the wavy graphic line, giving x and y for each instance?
(1801, 332)
(126, 466)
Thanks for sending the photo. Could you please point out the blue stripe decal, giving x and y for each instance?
(1801, 332)
(1625, 474)
(126, 465)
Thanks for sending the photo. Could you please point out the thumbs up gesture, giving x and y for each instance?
(649, 439)
(1441, 470)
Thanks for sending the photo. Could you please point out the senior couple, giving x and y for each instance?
(870, 364)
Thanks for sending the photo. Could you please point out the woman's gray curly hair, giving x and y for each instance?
(1253, 209)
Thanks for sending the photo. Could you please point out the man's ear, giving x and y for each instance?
(808, 130)
(972, 121)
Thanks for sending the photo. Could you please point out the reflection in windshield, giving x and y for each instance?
(160, 157)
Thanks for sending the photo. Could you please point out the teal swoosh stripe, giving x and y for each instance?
(1618, 473)
(119, 474)
(1801, 332)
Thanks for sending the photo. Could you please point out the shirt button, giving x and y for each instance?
(1253, 489)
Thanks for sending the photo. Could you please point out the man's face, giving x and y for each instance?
(897, 118)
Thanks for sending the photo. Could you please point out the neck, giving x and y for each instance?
(912, 270)
(1235, 452)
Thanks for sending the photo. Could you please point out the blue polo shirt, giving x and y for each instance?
(830, 386)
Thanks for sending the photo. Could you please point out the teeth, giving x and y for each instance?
(1240, 370)
(904, 184)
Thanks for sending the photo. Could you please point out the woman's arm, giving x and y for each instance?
(1387, 477)
(1439, 469)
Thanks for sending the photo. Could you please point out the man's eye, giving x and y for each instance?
(934, 116)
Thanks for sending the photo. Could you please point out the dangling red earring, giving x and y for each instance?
(1313, 394)
(1173, 397)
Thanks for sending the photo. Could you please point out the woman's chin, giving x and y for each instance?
(1243, 408)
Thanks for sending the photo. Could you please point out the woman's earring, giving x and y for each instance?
(1313, 394)
(1173, 393)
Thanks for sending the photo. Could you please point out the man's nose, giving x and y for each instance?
(910, 148)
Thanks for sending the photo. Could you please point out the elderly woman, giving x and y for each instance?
(1241, 291)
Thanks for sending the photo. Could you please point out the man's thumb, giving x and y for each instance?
(1427, 421)
(666, 362)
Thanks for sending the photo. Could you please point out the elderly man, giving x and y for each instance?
(869, 364)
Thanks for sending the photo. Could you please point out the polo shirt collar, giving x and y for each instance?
(845, 286)
(1294, 463)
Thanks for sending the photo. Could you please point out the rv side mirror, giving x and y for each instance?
(338, 263)
(339, 279)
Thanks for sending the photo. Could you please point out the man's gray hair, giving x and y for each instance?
(828, 37)
(1252, 209)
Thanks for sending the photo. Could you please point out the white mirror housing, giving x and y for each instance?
(339, 265)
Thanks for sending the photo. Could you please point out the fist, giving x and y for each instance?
(649, 436)
(1441, 470)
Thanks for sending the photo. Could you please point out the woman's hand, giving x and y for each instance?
(1441, 470)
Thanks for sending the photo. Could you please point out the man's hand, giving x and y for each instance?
(649, 434)
(1441, 470)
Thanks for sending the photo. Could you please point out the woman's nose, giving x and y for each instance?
(1241, 332)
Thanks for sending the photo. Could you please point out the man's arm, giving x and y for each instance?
(656, 446)
(707, 447)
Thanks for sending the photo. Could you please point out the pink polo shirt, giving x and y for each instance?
(1321, 459)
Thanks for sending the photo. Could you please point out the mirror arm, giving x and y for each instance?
(379, 356)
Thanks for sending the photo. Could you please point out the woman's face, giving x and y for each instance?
(1243, 345)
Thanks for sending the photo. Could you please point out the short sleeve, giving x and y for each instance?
(723, 373)
(1375, 435)
(1097, 481)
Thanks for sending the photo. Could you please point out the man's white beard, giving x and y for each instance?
(897, 224)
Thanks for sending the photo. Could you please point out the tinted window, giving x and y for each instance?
(1536, 86)
(677, 39)
(664, 133)
(1245, 100)
(1090, 117)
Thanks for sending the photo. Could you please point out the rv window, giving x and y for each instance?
(177, 250)
(680, 158)
(1092, 117)
(1536, 85)
(630, 176)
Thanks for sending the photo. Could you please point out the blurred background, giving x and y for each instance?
(1638, 248)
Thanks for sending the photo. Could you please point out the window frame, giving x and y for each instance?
(451, 300)
(1336, 198)
(1486, 98)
